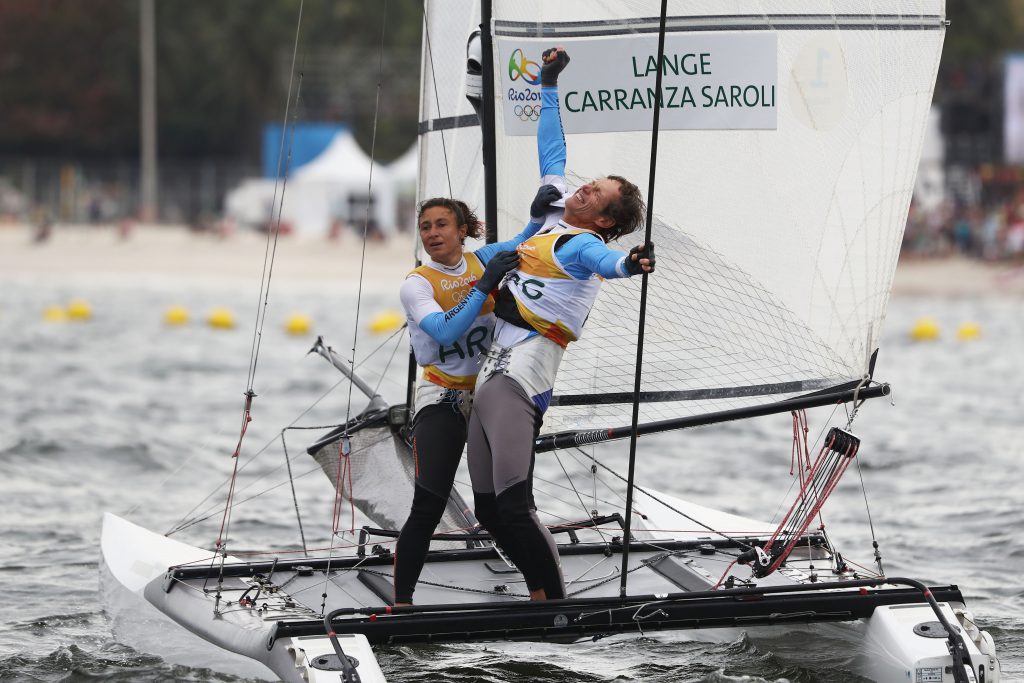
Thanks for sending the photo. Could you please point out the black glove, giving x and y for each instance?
(633, 267)
(500, 263)
(545, 195)
(554, 61)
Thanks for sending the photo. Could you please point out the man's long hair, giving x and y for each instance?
(628, 211)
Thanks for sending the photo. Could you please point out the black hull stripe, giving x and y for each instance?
(752, 22)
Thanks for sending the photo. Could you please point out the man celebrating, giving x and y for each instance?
(541, 309)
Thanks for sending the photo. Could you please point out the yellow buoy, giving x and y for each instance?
(968, 331)
(176, 315)
(79, 309)
(297, 323)
(924, 329)
(221, 318)
(386, 321)
(55, 314)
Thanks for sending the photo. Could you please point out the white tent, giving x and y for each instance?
(335, 186)
(404, 171)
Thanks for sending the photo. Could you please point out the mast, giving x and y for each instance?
(643, 303)
(487, 126)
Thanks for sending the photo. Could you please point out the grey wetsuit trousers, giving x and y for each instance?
(502, 429)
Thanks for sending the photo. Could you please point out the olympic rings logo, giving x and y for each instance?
(520, 66)
(527, 112)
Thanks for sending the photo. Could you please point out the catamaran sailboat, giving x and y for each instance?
(790, 132)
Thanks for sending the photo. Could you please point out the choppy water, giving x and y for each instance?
(123, 414)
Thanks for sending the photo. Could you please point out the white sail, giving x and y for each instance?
(779, 213)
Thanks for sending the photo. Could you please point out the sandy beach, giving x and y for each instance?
(173, 251)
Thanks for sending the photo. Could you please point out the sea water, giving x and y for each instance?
(122, 413)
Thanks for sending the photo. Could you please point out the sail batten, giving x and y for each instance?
(748, 22)
(693, 394)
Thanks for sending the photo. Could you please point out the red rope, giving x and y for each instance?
(819, 499)
(344, 474)
(246, 419)
(724, 574)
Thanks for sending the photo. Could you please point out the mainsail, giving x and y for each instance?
(451, 155)
(790, 137)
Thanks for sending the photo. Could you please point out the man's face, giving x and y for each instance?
(590, 201)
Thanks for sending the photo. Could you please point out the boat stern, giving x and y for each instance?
(906, 643)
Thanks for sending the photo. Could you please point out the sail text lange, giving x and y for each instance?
(689, 64)
(711, 81)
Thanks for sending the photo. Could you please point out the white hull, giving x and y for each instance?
(136, 558)
(884, 646)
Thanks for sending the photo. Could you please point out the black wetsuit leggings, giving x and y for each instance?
(502, 430)
(438, 437)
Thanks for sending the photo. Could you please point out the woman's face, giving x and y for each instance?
(441, 235)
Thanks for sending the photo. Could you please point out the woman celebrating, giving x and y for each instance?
(449, 310)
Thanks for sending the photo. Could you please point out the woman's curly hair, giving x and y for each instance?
(463, 214)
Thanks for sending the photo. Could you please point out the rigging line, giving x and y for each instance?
(267, 272)
(177, 526)
(391, 359)
(225, 525)
(237, 503)
(249, 485)
(185, 518)
(371, 354)
(338, 489)
(598, 480)
(163, 482)
(550, 482)
(208, 512)
(366, 219)
(268, 267)
(295, 498)
(851, 415)
(871, 524)
(437, 99)
(638, 373)
(653, 497)
(578, 496)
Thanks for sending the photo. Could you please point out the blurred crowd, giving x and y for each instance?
(988, 223)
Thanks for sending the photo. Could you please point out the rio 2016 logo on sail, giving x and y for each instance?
(521, 67)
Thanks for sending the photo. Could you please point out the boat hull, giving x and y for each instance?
(258, 616)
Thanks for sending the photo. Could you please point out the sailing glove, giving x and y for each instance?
(500, 263)
(555, 59)
(541, 203)
(638, 252)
